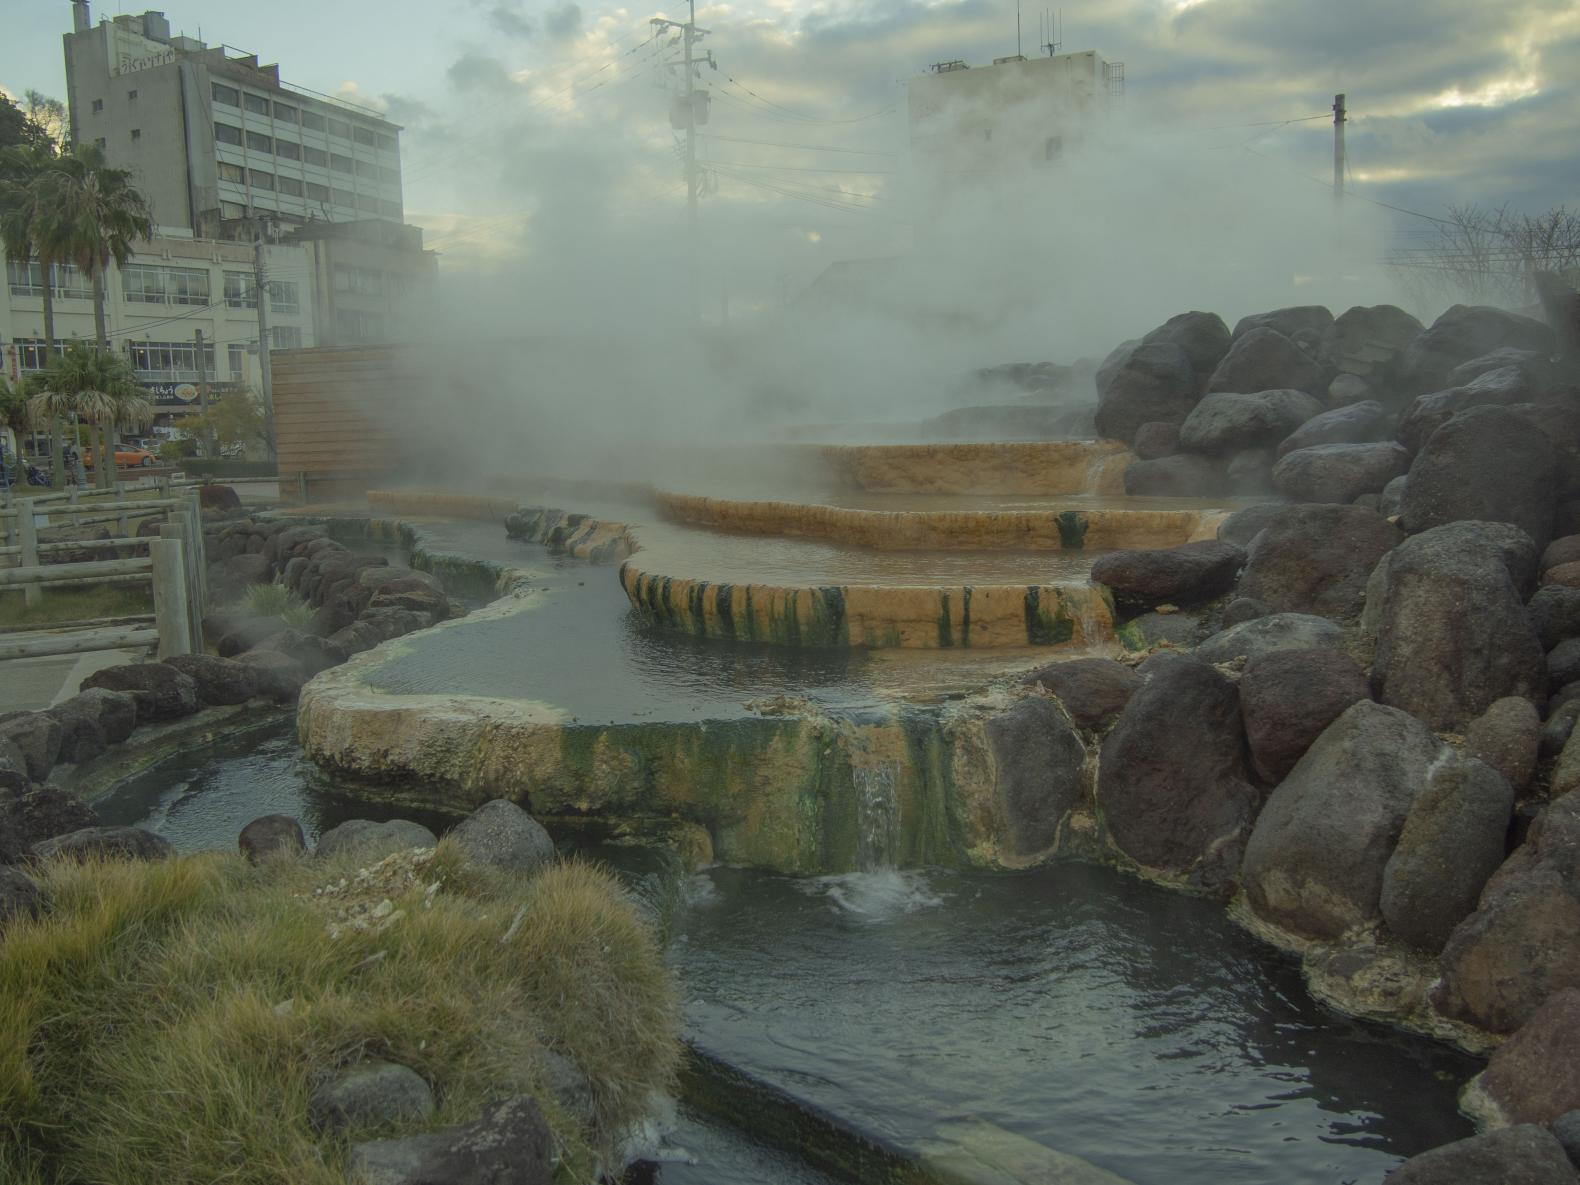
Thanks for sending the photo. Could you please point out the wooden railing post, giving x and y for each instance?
(177, 530)
(27, 535)
(171, 612)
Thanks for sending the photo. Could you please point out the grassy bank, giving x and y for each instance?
(165, 1024)
(63, 602)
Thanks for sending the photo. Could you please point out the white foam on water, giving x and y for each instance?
(877, 896)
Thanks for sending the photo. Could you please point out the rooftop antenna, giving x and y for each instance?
(1053, 30)
(1017, 28)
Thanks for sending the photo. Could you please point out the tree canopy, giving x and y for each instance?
(17, 127)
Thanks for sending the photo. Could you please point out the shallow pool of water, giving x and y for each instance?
(1106, 1018)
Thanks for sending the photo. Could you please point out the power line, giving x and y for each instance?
(828, 201)
(788, 113)
(807, 169)
(802, 147)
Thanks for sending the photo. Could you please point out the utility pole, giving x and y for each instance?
(202, 369)
(683, 114)
(261, 268)
(1339, 116)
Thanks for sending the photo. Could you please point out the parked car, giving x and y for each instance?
(125, 457)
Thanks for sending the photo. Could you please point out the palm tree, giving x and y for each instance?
(97, 214)
(25, 234)
(97, 387)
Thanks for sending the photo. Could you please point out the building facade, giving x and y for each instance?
(174, 289)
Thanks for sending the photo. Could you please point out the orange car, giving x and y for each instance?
(124, 457)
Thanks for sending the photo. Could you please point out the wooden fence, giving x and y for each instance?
(174, 564)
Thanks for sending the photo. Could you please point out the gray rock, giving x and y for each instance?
(1314, 863)
(105, 843)
(1182, 475)
(1101, 378)
(1156, 439)
(373, 841)
(1534, 1076)
(1565, 550)
(1554, 611)
(1391, 501)
(1484, 465)
(1155, 383)
(1338, 472)
(36, 737)
(279, 677)
(1227, 421)
(116, 712)
(1452, 841)
(1507, 737)
(1242, 526)
(1427, 413)
(1461, 334)
(19, 896)
(1558, 728)
(1287, 700)
(370, 1094)
(1187, 574)
(502, 835)
(161, 691)
(1368, 341)
(218, 680)
(509, 1145)
(310, 653)
(1093, 691)
(1038, 763)
(269, 836)
(1563, 664)
(1355, 423)
(1452, 632)
(1346, 389)
(1523, 1155)
(1243, 609)
(1567, 1128)
(1299, 319)
(1277, 631)
(1317, 559)
(29, 814)
(1203, 336)
(1265, 360)
(1534, 364)
(1172, 786)
(1181, 631)
(1250, 473)
(570, 1087)
(379, 625)
(243, 633)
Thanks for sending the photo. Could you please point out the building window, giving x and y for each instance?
(388, 208)
(366, 169)
(360, 281)
(98, 106)
(143, 285)
(225, 134)
(101, 142)
(289, 185)
(257, 104)
(30, 353)
(27, 279)
(131, 96)
(230, 172)
(260, 143)
(285, 337)
(319, 193)
(169, 360)
(137, 133)
(388, 175)
(186, 285)
(241, 290)
(358, 327)
(285, 112)
(344, 197)
(386, 142)
(287, 149)
(232, 210)
(260, 180)
(339, 127)
(284, 297)
(238, 360)
(341, 164)
(363, 136)
(369, 204)
(227, 95)
(312, 120)
(315, 156)
(71, 284)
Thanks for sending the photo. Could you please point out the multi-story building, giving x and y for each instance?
(173, 289)
(225, 150)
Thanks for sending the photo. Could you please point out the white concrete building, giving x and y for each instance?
(173, 288)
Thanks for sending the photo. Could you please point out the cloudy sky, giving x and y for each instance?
(531, 114)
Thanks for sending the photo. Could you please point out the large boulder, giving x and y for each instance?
(19, 896)
(161, 691)
(1534, 1076)
(1355, 423)
(310, 653)
(1172, 785)
(36, 738)
(1243, 525)
(1186, 574)
(1154, 383)
(1554, 611)
(1314, 863)
(1264, 635)
(1523, 1155)
(1264, 360)
(1317, 559)
(1484, 465)
(280, 678)
(218, 680)
(81, 735)
(1287, 700)
(509, 1145)
(1346, 389)
(1507, 736)
(1453, 840)
(1565, 550)
(1338, 472)
(1203, 336)
(370, 1094)
(30, 814)
(1506, 387)
(1038, 762)
(1227, 421)
(115, 712)
(1299, 321)
(1156, 439)
(1368, 341)
(1462, 333)
(502, 835)
(1452, 632)
(269, 837)
(373, 841)
(1093, 691)
(105, 843)
(1183, 475)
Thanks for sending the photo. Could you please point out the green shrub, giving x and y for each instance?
(275, 600)
(228, 467)
(165, 1023)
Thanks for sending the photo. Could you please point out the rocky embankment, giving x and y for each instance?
(357, 601)
(1360, 721)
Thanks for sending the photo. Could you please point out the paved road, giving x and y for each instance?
(27, 684)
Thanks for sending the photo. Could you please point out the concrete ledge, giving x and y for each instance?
(1034, 468)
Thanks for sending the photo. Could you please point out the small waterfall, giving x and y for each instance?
(877, 815)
